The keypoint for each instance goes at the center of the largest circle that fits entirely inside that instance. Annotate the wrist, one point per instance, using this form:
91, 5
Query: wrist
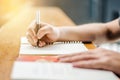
57, 32
60, 32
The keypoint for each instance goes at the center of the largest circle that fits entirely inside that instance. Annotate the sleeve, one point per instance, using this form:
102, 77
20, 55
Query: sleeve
119, 19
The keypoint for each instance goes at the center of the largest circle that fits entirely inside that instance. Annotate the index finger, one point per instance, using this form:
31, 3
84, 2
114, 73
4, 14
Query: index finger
74, 54
32, 27
91, 64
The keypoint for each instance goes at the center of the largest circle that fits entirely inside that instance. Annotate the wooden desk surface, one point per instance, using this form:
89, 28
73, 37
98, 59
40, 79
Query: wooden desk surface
11, 32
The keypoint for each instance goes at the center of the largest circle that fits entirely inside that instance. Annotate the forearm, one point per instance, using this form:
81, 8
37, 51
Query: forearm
96, 32
87, 32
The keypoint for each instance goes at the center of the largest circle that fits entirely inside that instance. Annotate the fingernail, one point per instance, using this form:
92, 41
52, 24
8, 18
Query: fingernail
39, 37
40, 44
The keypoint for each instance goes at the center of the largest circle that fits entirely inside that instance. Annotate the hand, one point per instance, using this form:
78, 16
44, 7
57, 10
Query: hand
46, 34
96, 59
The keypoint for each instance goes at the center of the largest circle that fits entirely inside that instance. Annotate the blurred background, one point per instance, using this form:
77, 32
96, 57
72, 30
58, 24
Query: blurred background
80, 11
84, 11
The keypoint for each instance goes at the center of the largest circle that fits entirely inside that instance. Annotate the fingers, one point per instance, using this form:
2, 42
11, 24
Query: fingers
34, 33
31, 32
41, 43
91, 64
75, 54
42, 32
86, 60
31, 40
31, 35
69, 55
32, 27
79, 57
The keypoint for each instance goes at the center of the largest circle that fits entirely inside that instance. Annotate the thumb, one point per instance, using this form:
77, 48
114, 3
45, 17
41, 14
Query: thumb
42, 32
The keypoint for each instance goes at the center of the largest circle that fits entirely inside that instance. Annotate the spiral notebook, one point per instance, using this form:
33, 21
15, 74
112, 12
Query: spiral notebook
52, 49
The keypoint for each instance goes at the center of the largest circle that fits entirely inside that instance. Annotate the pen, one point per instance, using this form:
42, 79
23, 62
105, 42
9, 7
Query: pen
37, 23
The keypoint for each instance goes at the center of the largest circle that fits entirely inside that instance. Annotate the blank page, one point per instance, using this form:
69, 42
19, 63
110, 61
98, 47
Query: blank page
52, 49
57, 71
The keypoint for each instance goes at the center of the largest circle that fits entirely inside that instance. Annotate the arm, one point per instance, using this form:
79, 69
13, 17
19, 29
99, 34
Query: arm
96, 32
95, 59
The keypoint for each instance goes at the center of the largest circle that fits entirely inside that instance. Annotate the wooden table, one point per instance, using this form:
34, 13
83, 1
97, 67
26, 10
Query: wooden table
11, 32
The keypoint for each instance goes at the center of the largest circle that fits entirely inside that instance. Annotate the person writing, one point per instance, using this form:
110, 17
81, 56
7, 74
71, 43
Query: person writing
98, 58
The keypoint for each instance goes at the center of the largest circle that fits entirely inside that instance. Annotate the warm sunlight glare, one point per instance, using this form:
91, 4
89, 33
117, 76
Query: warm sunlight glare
9, 8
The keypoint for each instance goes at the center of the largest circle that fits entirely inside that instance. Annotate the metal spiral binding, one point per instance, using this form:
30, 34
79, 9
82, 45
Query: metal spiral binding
64, 42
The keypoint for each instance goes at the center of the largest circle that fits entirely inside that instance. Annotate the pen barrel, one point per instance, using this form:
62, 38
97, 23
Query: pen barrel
37, 28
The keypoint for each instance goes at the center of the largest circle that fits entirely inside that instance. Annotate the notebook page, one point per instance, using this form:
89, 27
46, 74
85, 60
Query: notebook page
57, 71
56, 48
